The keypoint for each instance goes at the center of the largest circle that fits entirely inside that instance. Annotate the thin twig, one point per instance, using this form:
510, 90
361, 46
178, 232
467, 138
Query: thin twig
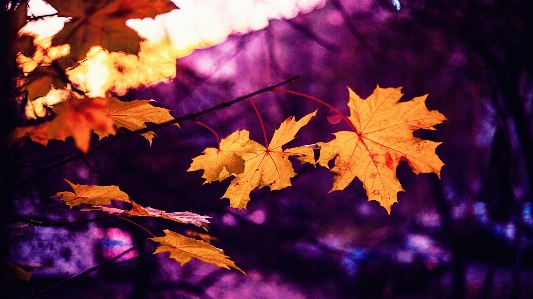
305, 30
344, 118
137, 224
33, 18
64, 223
92, 167
338, 5
83, 273
78, 155
132, 259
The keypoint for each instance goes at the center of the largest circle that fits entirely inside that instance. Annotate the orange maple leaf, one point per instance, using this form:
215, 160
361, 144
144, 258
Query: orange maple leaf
382, 136
103, 23
133, 116
268, 166
183, 249
77, 118
41, 80
13, 41
92, 195
219, 163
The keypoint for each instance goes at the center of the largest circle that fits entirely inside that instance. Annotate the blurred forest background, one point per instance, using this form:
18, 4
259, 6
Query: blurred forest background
468, 235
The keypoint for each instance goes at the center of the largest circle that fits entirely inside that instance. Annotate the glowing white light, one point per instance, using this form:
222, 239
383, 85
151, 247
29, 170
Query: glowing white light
396, 4
202, 23
197, 24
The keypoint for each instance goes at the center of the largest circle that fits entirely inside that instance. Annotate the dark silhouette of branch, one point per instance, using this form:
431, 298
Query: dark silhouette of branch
305, 30
92, 167
338, 5
81, 274
138, 225
33, 18
132, 259
45, 223
145, 130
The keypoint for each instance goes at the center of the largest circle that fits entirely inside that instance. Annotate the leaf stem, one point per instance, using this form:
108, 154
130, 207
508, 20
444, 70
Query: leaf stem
137, 224
260, 121
210, 129
344, 118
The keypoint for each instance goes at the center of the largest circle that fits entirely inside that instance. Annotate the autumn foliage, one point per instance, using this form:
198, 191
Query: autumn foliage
66, 99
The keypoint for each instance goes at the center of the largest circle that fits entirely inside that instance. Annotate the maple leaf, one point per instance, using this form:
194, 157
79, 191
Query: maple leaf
16, 43
138, 210
133, 116
204, 237
219, 163
268, 166
181, 217
183, 249
383, 137
103, 23
41, 80
77, 117
92, 195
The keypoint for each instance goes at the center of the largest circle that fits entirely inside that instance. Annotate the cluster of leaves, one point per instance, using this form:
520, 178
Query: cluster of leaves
181, 248
380, 136
52, 68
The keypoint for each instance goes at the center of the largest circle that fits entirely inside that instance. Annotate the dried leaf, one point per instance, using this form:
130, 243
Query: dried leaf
138, 210
183, 249
181, 217
384, 137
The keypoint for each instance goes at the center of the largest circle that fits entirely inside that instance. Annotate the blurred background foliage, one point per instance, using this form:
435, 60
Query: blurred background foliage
468, 235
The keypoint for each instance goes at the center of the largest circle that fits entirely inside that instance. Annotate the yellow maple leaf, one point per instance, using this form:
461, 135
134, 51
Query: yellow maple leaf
92, 195
103, 23
183, 249
219, 163
133, 116
268, 166
77, 118
383, 137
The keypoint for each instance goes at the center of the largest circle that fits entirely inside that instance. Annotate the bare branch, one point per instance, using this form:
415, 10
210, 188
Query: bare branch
81, 274
44, 223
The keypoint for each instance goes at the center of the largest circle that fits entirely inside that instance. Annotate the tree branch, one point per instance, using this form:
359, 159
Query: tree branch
83, 273
191, 116
65, 223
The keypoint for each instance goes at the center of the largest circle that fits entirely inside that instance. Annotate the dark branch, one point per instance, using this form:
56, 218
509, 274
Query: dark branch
33, 18
145, 130
305, 30
44, 223
81, 274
